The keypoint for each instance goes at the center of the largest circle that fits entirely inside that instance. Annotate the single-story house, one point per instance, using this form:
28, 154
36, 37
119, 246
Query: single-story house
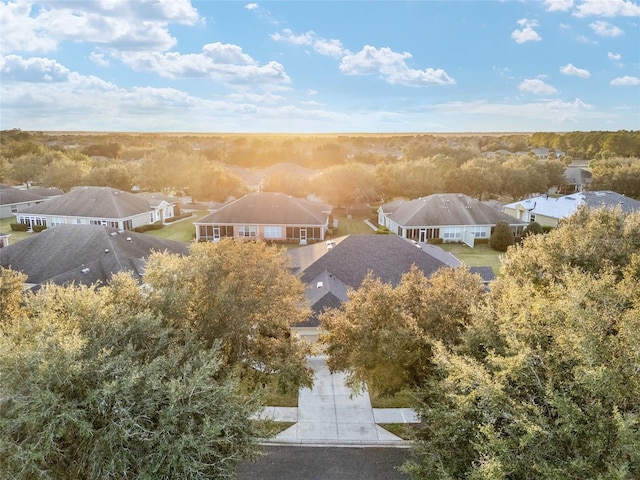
329, 269
12, 199
452, 217
267, 216
164, 206
83, 254
91, 206
548, 211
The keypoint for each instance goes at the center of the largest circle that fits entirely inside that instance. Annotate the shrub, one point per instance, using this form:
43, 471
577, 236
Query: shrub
39, 228
146, 228
19, 227
383, 230
175, 218
501, 238
534, 228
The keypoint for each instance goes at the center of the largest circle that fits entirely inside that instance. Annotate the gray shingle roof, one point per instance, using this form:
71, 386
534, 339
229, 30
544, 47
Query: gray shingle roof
444, 209
388, 257
96, 202
268, 208
609, 199
58, 255
324, 292
11, 195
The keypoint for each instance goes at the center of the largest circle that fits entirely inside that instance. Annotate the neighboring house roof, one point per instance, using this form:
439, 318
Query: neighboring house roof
156, 198
83, 254
268, 208
388, 257
96, 202
444, 209
11, 195
563, 207
577, 175
46, 191
329, 272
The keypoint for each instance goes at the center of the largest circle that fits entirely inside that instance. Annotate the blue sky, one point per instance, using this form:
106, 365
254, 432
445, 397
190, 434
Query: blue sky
315, 67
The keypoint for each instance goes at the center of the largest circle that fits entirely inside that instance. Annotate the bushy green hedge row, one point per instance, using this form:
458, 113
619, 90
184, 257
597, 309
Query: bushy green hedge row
39, 228
19, 227
146, 228
178, 217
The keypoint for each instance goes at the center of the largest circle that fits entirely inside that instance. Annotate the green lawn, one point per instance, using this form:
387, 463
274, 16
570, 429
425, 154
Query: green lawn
5, 227
480, 256
181, 231
351, 225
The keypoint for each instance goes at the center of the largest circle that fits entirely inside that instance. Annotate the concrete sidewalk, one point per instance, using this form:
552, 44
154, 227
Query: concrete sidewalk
330, 414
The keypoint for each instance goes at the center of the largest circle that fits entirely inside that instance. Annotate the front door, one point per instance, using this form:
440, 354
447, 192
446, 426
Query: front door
303, 236
423, 235
216, 234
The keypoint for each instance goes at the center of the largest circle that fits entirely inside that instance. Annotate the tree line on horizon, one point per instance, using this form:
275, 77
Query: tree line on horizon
352, 169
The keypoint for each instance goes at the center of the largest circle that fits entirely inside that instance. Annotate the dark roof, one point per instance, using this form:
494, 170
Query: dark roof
388, 257
609, 199
444, 209
11, 195
59, 254
46, 191
324, 292
268, 208
96, 202
156, 198
577, 175
486, 273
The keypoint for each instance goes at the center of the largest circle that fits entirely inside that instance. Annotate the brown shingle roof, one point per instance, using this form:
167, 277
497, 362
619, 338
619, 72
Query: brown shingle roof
268, 208
96, 202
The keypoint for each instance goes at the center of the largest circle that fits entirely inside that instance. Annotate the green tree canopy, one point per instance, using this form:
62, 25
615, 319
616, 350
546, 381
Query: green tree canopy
544, 384
93, 386
242, 296
383, 336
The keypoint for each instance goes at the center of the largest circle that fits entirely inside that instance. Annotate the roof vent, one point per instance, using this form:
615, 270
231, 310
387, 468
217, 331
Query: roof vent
319, 285
113, 234
106, 250
120, 231
128, 239
85, 270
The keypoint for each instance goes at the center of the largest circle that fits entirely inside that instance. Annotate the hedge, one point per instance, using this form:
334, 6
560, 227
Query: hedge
39, 228
19, 227
146, 228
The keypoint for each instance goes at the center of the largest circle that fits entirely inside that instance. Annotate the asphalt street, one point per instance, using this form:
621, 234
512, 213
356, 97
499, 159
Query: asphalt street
325, 463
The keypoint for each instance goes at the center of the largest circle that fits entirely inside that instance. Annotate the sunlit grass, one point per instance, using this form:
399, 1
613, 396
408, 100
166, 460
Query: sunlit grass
353, 225
5, 227
181, 231
480, 256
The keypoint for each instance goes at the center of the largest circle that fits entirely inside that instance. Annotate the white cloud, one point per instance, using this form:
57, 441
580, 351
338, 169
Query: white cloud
607, 8
614, 56
119, 23
527, 34
330, 48
32, 70
251, 6
312, 92
558, 5
605, 29
392, 67
536, 86
98, 59
569, 69
626, 81
225, 63
552, 111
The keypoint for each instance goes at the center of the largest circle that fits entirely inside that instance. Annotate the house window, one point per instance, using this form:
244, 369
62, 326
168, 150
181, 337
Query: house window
14, 208
127, 225
247, 231
57, 221
272, 232
532, 217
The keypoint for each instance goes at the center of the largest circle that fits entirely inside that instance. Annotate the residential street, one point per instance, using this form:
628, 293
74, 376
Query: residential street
325, 463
